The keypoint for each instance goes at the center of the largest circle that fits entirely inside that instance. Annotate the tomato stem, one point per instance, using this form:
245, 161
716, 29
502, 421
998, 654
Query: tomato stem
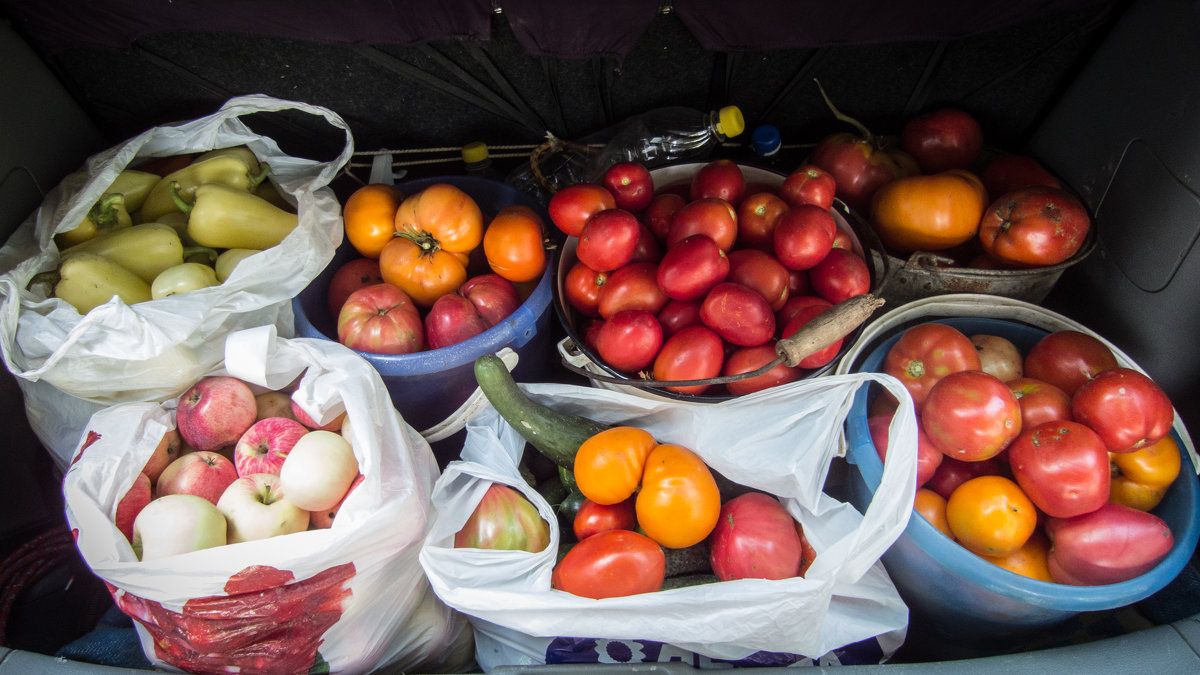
862, 129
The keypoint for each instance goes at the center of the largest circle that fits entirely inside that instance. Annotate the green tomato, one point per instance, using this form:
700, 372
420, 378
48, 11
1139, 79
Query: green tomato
182, 278
504, 520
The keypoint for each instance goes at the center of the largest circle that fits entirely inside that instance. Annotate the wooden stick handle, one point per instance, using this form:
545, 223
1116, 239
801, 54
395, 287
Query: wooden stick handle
825, 328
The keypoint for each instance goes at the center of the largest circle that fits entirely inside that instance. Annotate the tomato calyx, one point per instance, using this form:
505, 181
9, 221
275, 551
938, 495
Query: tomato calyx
424, 240
915, 369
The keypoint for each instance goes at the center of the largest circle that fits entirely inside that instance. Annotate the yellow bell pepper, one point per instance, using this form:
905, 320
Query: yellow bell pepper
146, 249
88, 280
229, 259
182, 278
226, 217
1140, 478
239, 151
230, 170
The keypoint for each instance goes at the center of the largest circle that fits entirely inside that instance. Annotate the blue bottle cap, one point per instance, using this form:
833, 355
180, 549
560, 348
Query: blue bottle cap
765, 140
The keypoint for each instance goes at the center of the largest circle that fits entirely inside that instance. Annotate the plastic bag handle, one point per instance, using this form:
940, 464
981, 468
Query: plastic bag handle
476, 401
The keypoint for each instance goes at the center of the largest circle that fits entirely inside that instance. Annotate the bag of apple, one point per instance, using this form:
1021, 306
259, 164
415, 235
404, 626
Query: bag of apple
120, 287
536, 600
269, 520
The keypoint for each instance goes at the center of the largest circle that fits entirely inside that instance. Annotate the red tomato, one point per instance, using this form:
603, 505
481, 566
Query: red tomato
999, 356
691, 267
1067, 359
798, 283
722, 179
970, 415
926, 353
661, 211
757, 216
1112, 544
1012, 172
800, 317
504, 520
929, 458
629, 340
951, 473
1040, 401
809, 184
611, 564
841, 275
608, 240
350, 277
630, 184
381, 319
709, 216
1062, 466
1126, 408
694, 353
581, 287
794, 305
749, 359
943, 139
762, 272
571, 206
738, 314
860, 167
593, 518
755, 538
677, 315
803, 237
648, 247
1034, 226
633, 286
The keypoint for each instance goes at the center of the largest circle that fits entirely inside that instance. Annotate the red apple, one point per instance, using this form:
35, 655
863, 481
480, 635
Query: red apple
318, 471
256, 507
324, 518
351, 276
273, 404
202, 473
130, 505
215, 412
381, 319
494, 297
451, 320
167, 450
265, 444
307, 420
177, 524
943, 139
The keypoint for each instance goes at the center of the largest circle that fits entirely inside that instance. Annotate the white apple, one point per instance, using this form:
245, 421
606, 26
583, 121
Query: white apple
307, 420
131, 504
202, 473
318, 470
324, 518
215, 412
177, 524
265, 444
273, 404
256, 508
167, 450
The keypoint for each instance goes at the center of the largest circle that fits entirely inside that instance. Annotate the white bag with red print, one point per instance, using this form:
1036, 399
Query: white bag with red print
350, 598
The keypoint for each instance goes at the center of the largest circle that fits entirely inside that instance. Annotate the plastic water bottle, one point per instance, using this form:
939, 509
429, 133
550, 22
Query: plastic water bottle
766, 150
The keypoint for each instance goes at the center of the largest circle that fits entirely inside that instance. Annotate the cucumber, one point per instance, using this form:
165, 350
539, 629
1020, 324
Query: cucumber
555, 434
685, 580
690, 560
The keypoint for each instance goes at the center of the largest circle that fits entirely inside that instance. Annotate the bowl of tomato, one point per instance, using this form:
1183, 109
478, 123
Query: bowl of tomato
939, 563
700, 310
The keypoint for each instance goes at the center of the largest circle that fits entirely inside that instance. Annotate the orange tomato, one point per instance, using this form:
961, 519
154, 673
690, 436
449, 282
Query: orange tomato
929, 212
609, 465
421, 269
370, 217
444, 213
1140, 478
990, 515
513, 244
932, 507
679, 502
1029, 560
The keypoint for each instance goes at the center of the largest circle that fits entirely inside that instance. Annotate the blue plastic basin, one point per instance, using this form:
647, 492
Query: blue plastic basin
961, 594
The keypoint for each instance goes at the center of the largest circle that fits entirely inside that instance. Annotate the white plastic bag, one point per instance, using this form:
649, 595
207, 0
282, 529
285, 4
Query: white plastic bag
352, 596
780, 441
70, 366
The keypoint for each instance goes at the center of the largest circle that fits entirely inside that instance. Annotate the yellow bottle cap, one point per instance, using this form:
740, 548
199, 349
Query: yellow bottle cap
731, 123
474, 152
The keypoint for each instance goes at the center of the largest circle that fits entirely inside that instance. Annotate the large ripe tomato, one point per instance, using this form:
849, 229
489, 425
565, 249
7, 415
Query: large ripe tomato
381, 319
504, 520
582, 287
1012, 172
794, 305
1112, 544
929, 458
757, 216
943, 139
513, 244
694, 353
351, 276
929, 213
970, 415
990, 515
860, 166
571, 206
629, 340
593, 518
803, 236
1067, 359
611, 564
932, 507
1031, 560
999, 356
1127, 408
709, 216
1062, 466
677, 315
926, 353
738, 314
1140, 479
720, 178
809, 184
1034, 226
609, 465
633, 286
840, 275
761, 271
661, 211
692, 267
755, 538
631, 185
608, 240
679, 502
370, 217
422, 269
749, 359
443, 213
800, 318
1040, 401
951, 473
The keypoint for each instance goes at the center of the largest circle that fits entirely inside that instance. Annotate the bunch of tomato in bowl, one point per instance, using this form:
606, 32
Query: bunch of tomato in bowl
433, 270
1045, 459
699, 278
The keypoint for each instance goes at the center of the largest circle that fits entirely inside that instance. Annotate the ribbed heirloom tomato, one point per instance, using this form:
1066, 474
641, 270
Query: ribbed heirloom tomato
370, 217
436, 229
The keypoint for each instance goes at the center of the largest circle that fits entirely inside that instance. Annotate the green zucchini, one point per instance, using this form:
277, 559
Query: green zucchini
555, 434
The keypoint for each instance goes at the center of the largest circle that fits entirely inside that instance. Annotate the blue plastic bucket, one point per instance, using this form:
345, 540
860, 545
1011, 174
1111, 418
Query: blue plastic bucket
959, 593
428, 387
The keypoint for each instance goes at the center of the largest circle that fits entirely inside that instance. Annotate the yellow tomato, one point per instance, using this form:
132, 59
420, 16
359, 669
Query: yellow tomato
608, 466
1140, 478
991, 515
929, 212
932, 507
1029, 560
679, 503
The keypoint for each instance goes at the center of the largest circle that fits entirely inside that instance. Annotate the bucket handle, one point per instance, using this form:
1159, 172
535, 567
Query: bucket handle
474, 403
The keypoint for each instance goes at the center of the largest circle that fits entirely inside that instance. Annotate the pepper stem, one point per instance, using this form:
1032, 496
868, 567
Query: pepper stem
173, 189
103, 213
259, 176
51, 277
862, 129
205, 251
